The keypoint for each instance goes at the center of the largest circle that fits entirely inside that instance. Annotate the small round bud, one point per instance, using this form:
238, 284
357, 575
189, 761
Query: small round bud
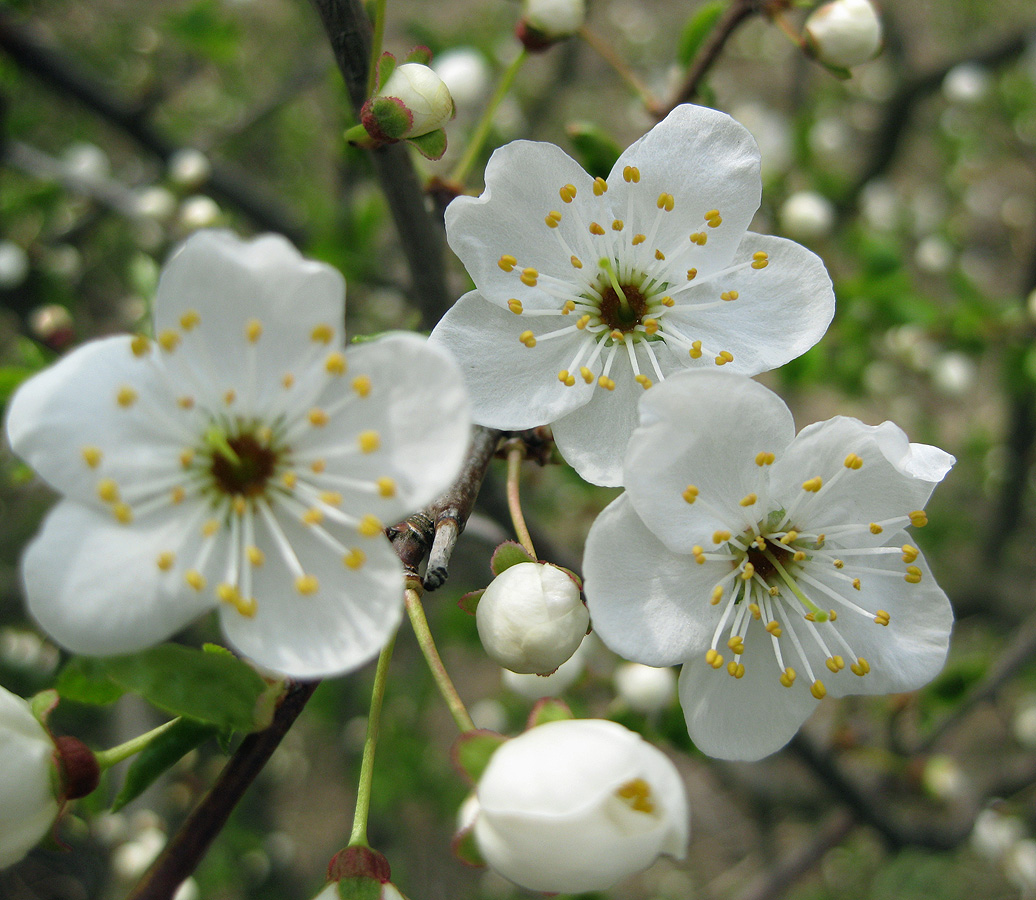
807, 215
531, 618
14, 265
423, 97
189, 168
844, 33
466, 73
645, 689
545, 22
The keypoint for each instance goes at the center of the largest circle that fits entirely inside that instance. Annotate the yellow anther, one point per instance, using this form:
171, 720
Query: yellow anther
210, 527
386, 486
735, 669
668, 302
699, 238
913, 575
617, 336
190, 320
650, 326
577, 263
229, 397
763, 458
140, 345
618, 225
699, 554
643, 381
330, 498
362, 385
881, 617
717, 594
919, 518
774, 628
820, 541
600, 186
369, 441
586, 374
725, 356
760, 542
861, 667
567, 307
875, 528
790, 537
322, 333
631, 174
748, 572
813, 485
168, 340
607, 383
809, 617
289, 479
91, 456
507, 262
232, 596
108, 490
690, 493
312, 516
165, 560
692, 274
721, 535
756, 612
335, 364
370, 526
787, 677
596, 229
253, 330
228, 593
568, 193
659, 255
713, 219
729, 295
832, 615
529, 277
318, 466
186, 458
638, 239
307, 584
126, 397
799, 555
818, 690
666, 201
185, 402
317, 417
194, 579
255, 556
637, 794
835, 663
553, 219
856, 583
515, 305
852, 461
737, 644
584, 320
760, 260
749, 499
177, 495
713, 658
566, 378
355, 558
527, 338
288, 380
695, 351
909, 553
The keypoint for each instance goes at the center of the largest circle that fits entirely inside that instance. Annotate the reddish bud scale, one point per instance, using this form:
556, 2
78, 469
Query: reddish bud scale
80, 774
359, 862
533, 40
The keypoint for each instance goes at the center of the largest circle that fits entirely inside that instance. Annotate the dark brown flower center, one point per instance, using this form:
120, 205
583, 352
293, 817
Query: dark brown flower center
619, 316
247, 475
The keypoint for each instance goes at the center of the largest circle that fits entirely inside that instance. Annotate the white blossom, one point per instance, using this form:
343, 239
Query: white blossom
845, 33
775, 567
531, 618
591, 290
577, 805
554, 19
241, 459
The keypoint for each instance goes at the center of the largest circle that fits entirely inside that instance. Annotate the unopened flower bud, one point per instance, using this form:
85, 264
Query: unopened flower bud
531, 618
545, 22
359, 873
577, 805
807, 215
645, 689
418, 102
844, 33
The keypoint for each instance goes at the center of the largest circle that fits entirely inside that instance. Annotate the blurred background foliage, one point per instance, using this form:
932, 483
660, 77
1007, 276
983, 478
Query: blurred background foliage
125, 126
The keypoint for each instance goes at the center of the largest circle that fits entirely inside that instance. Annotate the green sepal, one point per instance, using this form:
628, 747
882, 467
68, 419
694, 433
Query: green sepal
359, 888
393, 119
41, 705
357, 135
697, 29
164, 751
472, 751
507, 554
386, 66
465, 849
469, 602
420, 54
548, 709
431, 145
595, 149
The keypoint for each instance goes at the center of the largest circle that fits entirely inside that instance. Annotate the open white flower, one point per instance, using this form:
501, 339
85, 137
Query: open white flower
775, 567
591, 290
240, 460
28, 779
578, 804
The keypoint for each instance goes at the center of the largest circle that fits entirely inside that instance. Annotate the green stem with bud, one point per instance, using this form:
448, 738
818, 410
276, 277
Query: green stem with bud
514, 503
108, 758
819, 615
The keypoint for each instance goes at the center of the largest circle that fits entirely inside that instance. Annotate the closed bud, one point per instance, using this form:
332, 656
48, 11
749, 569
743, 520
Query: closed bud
645, 689
577, 805
807, 215
359, 873
421, 99
545, 22
531, 618
844, 33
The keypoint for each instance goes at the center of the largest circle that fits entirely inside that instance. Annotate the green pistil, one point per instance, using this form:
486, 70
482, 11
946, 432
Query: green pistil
217, 440
606, 264
819, 615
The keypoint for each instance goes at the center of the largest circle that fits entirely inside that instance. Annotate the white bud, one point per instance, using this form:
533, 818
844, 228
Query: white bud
531, 619
844, 33
199, 211
554, 19
533, 687
645, 689
423, 93
1020, 866
806, 215
577, 805
86, 162
28, 806
14, 265
189, 168
466, 73
994, 833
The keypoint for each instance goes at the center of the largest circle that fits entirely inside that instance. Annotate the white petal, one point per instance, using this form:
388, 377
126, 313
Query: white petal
646, 603
511, 386
702, 429
72, 405
231, 283
337, 629
742, 718
707, 161
781, 310
94, 585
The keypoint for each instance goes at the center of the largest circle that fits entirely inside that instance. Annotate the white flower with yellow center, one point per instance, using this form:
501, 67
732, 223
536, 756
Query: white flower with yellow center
591, 290
775, 567
241, 459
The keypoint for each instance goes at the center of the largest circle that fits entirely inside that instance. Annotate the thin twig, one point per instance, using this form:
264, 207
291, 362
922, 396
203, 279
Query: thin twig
515, 455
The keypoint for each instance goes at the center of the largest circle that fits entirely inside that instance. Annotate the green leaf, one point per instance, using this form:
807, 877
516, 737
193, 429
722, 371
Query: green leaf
509, 553
595, 149
206, 28
85, 679
10, 378
548, 709
431, 145
697, 29
473, 750
164, 751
